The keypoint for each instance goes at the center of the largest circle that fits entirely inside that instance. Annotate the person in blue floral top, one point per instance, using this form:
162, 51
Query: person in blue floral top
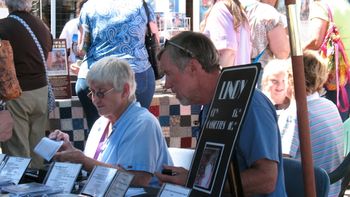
116, 28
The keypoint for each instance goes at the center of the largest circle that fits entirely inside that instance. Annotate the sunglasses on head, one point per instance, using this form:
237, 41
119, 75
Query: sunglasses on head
187, 51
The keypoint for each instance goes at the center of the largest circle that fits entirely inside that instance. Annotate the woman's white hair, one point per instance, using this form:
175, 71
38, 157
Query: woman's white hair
19, 5
111, 70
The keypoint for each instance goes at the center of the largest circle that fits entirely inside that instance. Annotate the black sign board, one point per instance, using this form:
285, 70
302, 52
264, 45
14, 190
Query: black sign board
212, 158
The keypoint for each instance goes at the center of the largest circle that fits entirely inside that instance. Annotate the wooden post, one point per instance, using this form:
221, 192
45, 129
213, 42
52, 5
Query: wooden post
300, 97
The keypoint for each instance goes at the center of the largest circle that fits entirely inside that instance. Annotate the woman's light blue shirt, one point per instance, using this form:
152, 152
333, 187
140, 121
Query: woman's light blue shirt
137, 142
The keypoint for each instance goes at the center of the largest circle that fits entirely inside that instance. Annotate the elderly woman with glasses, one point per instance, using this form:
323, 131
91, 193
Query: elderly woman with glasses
126, 136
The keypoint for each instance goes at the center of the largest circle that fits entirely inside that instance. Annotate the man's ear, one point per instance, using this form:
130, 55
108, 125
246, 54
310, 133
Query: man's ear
194, 65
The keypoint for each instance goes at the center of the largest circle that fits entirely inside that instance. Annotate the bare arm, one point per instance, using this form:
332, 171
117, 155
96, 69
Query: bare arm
81, 40
142, 178
227, 57
261, 178
319, 30
279, 42
6, 125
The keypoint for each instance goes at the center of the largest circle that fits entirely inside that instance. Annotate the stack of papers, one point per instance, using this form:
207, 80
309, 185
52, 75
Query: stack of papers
30, 189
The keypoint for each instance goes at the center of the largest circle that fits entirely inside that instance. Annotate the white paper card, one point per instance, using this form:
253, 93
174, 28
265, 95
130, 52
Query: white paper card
14, 168
171, 190
120, 184
47, 148
63, 175
99, 181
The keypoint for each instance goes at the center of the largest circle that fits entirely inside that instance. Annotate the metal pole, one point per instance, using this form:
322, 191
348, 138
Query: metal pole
53, 18
41, 9
300, 97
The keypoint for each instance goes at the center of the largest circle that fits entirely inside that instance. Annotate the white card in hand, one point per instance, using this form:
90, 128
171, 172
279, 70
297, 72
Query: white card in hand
47, 148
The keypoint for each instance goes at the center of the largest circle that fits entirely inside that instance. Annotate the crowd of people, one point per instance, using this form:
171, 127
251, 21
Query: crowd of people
116, 85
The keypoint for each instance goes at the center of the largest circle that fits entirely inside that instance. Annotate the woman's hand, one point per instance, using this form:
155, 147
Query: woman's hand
75, 67
61, 136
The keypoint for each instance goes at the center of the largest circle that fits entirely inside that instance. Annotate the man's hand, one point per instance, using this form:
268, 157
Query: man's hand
179, 177
6, 125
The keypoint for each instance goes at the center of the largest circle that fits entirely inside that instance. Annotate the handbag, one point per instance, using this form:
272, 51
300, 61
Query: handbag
51, 97
333, 50
9, 85
152, 47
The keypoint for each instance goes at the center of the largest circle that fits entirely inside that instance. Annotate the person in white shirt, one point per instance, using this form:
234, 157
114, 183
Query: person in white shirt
69, 31
4, 12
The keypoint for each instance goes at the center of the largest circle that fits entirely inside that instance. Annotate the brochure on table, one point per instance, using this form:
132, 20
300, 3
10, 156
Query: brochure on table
59, 179
62, 175
30, 189
14, 168
212, 158
47, 148
120, 184
104, 181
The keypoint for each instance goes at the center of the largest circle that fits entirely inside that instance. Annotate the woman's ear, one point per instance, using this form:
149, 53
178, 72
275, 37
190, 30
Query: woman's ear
126, 91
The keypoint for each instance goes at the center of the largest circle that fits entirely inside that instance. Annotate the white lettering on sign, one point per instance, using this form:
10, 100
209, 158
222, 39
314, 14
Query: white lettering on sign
216, 124
232, 89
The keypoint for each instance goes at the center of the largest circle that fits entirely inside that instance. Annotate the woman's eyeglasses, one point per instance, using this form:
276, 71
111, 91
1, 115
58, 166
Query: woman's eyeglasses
187, 51
99, 94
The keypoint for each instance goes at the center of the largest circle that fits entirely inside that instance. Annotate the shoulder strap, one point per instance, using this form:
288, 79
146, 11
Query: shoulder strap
257, 58
147, 13
33, 36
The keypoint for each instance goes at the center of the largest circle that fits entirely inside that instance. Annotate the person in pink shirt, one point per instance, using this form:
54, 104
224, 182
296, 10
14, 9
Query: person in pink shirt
227, 26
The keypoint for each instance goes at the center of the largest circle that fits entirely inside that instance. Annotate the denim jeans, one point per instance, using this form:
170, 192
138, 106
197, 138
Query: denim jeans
145, 87
82, 89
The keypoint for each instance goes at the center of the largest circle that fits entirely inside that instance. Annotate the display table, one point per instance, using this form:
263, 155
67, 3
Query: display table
179, 123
